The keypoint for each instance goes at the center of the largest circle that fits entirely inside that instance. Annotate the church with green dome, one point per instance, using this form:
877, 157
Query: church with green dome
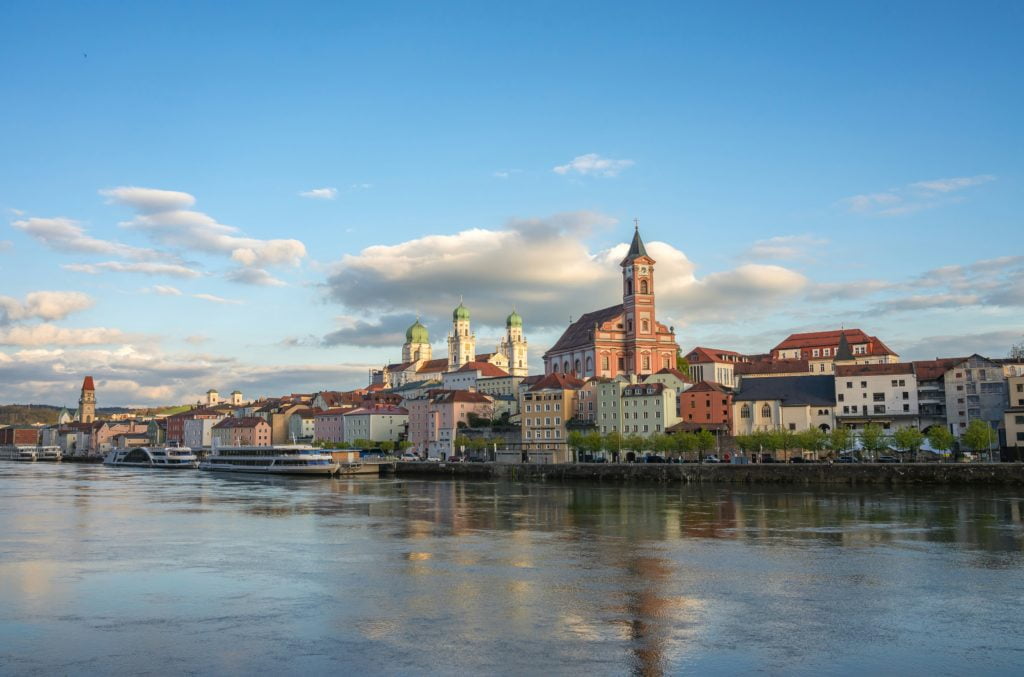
418, 364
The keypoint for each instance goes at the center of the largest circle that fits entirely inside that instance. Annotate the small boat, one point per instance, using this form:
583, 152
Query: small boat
293, 459
165, 458
18, 453
49, 453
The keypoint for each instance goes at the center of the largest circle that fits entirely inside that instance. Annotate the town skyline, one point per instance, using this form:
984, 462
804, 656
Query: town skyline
166, 247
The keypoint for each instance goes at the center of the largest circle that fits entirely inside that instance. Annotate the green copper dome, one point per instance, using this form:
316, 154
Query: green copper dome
417, 333
461, 313
514, 320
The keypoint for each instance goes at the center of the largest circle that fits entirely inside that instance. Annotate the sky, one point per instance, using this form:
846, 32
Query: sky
263, 196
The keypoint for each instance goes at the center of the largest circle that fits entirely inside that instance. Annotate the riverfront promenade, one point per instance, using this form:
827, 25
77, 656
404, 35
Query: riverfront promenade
957, 474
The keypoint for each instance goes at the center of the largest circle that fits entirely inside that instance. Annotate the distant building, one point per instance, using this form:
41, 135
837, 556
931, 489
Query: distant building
822, 349
622, 339
884, 394
931, 390
435, 419
249, 432
87, 402
647, 409
378, 424
544, 411
706, 404
792, 403
19, 436
714, 365
329, 425
976, 388
212, 398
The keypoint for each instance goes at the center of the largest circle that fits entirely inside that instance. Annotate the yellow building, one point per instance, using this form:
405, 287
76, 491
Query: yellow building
544, 411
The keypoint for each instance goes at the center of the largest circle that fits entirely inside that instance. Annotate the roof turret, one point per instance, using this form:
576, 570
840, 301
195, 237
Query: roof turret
514, 320
461, 312
417, 333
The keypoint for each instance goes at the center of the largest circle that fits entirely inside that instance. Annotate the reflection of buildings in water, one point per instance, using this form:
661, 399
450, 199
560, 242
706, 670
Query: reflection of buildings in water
30, 587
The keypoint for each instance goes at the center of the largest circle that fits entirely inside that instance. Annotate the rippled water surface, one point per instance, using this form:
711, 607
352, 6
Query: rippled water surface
122, 571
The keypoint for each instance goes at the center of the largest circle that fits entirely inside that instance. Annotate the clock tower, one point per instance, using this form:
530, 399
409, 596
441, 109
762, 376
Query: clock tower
638, 307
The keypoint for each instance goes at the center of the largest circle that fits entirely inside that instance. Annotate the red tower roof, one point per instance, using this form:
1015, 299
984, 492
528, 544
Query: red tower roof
87, 384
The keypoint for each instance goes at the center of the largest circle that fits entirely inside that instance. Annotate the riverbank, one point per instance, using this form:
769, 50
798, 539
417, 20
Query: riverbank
954, 474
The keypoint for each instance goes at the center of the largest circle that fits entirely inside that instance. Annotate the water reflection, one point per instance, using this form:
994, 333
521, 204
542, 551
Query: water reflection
401, 576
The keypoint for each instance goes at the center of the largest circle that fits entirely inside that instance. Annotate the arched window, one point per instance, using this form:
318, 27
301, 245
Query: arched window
646, 326
604, 362
745, 411
766, 411
647, 362
643, 286
554, 368
590, 364
629, 287
565, 367
577, 364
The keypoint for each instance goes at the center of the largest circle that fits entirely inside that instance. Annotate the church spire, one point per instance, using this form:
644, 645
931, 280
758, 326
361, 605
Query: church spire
636, 247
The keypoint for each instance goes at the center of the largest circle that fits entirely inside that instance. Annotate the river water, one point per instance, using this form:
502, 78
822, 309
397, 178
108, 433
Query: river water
113, 571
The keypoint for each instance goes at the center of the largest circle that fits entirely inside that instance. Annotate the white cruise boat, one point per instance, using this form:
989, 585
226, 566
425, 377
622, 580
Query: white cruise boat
280, 460
165, 458
18, 453
49, 453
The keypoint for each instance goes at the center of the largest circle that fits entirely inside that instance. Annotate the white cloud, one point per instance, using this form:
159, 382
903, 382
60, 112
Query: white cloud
913, 197
49, 334
256, 276
65, 235
949, 185
216, 299
320, 193
164, 290
161, 217
546, 271
785, 247
593, 164
43, 305
144, 268
506, 173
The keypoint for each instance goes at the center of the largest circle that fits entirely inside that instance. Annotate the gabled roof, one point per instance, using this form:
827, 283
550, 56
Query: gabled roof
483, 357
673, 372
433, 366
930, 370
702, 355
378, 411
334, 411
557, 381
531, 380
640, 389
247, 422
828, 339
707, 387
485, 369
782, 366
874, 369
790, 390
463, 396
578, 333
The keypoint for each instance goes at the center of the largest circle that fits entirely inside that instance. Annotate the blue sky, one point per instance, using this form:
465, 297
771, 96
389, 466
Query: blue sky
802, 165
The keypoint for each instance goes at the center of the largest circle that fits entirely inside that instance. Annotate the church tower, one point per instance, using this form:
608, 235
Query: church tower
87, 401
513, 345
638, 307
461, 342
417, 343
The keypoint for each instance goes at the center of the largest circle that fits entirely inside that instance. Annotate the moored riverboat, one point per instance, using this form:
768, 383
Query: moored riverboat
18, 453
276, 460
51, 454
165, 458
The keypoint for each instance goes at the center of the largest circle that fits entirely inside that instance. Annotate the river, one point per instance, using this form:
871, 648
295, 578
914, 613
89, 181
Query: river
115, 571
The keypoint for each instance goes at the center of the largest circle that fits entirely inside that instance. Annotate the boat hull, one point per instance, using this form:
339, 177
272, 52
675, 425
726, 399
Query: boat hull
311, 471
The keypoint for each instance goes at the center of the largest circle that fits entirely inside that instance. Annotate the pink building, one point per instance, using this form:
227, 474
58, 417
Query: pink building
242, 432
434, 420
329, 426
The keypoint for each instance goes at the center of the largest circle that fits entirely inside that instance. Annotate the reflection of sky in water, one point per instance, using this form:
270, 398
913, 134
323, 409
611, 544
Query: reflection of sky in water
106, 570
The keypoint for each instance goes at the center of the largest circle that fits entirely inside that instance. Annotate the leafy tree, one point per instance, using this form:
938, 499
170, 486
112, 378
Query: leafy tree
940, 438
682, 364
979, 436
682, 443
908, 440
612, 442
461, 443
593, 442
404, 444
812, 439
872, 437
662, 444
387, 446
839, 439
704, 441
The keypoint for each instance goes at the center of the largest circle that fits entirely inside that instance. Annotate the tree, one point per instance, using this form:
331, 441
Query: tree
1017, 351
908, 440
682, 364
613, 443
461, 444
576, 443
872, 437
812, 439
404, 444
839, 440
940, 438
662, 444
682, 443
704, 441
979, 436
387, 446
593, 442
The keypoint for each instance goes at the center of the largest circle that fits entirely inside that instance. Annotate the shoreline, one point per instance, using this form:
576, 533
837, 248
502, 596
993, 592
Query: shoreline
904, 474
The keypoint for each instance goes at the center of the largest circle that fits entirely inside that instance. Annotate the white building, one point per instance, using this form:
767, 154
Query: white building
885, 394
378, 424
198, 432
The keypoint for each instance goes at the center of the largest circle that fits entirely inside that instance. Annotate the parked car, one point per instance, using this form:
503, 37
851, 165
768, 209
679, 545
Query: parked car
456, 459
767, 458
711, 459
476, 459
799, 459
847, 459
887, 459
654, 458
409, 456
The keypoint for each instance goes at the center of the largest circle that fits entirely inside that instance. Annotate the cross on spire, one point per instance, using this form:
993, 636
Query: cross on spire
636, 224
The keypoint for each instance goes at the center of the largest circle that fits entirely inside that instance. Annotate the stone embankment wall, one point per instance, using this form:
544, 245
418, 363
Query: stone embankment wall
981, 474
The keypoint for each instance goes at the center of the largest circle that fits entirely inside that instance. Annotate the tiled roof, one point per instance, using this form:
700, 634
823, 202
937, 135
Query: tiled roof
783, 366
706, 387
578, 333
828, 339
466, 396
334, 411
929, 370
530, 380
557, 381
87, 384
674, 372
640, 389
483, 357
247, 422
791, 390
874, 369
485, 369
378, 411
433, 366
701, 355
636, 248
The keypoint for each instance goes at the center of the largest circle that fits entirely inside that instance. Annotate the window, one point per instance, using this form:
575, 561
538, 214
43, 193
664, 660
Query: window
643, 290
826, 352
894, 382
766, 411
647, 361
906, 407
815, 353
792, 426
604, 362
645, 325
745, 411
863, 384
878, 397
903, 382
906, 395
821, 367
879, 409
590, 364
849, 384
840, 397
1019, 419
